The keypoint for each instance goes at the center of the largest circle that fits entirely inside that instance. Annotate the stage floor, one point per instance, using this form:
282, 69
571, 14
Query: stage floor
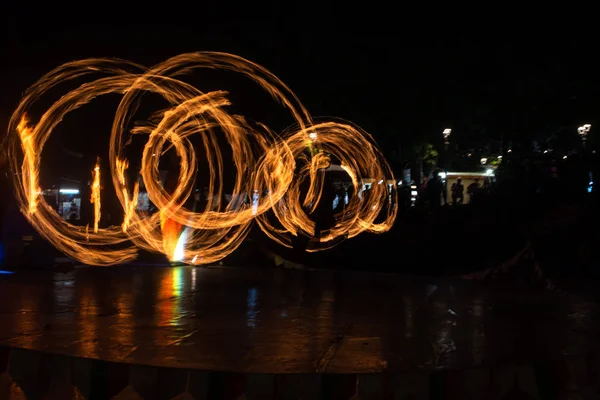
288, 321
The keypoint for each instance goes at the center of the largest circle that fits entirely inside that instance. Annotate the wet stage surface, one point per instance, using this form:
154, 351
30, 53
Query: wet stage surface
288, 321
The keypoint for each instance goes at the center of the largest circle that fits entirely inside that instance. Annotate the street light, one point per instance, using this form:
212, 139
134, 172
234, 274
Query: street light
446, 133
583, 132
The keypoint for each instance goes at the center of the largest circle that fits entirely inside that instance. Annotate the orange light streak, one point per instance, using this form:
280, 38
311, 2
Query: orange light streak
95, 196
29, 171
273, 165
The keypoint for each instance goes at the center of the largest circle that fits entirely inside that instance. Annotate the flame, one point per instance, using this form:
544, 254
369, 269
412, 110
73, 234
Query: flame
29, 170
95, 197
275, 165
129, 203
171, 232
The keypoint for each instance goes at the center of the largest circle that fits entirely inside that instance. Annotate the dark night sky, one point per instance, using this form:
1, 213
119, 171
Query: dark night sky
397, 77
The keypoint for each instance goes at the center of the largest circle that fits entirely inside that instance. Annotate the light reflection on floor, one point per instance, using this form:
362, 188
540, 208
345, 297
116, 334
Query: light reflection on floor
252, 308
286, 321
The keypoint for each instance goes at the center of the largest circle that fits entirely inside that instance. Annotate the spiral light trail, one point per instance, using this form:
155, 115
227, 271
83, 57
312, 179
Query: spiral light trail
284, 172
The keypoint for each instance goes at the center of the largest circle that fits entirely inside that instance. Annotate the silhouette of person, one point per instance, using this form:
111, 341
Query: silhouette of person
472, 190
323, 213
434, 190
458, 192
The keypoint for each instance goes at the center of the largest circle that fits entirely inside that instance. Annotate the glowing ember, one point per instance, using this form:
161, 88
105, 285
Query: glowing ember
270, 168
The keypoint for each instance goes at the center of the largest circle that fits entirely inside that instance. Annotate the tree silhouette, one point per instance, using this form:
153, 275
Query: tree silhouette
427, 157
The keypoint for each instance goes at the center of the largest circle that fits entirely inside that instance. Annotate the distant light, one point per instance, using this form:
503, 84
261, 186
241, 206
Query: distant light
69, 191
313, 136
380, 182
483, 160
413, 193
469, 155
3, 272
499, 157
583, 130
509, 151
545, 151
442, 175
564, 157
446, 134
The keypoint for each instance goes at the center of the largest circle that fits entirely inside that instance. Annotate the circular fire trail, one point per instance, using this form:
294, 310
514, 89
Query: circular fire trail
282, 175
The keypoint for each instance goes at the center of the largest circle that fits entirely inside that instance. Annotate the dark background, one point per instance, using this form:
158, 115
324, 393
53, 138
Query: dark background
401, 74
